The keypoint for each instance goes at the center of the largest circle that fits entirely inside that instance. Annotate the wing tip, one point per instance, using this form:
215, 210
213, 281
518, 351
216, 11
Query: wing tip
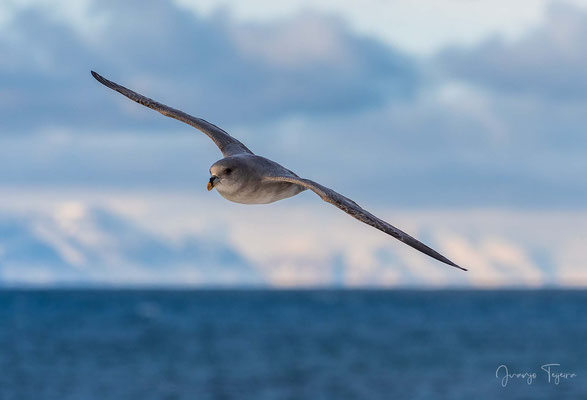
96, 75
445, 260
101, 79
456, 266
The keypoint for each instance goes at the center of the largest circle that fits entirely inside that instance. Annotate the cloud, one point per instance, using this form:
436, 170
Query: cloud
496, 124
399, 131
226, 71
550, 61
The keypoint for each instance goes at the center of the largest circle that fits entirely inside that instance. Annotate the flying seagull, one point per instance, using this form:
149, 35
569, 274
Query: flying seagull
243, 177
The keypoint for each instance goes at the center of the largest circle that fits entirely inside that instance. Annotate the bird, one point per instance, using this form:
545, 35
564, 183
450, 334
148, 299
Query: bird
244, 177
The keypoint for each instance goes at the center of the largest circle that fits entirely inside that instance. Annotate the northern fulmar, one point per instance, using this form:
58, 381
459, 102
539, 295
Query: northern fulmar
244, 177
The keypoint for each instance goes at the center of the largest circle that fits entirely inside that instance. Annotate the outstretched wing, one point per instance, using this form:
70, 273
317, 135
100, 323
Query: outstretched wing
353, 209
227, 144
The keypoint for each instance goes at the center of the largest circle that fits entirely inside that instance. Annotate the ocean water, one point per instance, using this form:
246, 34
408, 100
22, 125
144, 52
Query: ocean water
224, 344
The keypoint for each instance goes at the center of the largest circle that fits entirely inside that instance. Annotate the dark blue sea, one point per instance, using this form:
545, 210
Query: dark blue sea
323, 344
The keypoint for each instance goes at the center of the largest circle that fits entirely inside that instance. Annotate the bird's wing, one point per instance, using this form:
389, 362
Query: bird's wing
227, 144
356, 211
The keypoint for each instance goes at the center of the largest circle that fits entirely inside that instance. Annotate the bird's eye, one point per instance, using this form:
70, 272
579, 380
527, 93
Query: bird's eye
227, 171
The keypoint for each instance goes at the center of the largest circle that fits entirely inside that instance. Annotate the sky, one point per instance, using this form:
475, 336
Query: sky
460, 122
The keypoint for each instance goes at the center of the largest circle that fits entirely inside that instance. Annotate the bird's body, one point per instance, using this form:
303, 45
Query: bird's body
246, 184
246, 178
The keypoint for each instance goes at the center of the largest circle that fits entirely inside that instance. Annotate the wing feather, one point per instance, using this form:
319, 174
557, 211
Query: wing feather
356, 211
227, 144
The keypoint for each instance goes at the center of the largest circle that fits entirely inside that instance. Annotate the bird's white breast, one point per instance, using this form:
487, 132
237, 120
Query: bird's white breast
267, 192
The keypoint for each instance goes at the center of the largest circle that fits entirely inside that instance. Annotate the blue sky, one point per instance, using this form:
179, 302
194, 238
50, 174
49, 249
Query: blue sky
471, 114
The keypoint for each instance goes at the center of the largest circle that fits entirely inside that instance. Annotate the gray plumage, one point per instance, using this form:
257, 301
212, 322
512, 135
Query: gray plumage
246, 178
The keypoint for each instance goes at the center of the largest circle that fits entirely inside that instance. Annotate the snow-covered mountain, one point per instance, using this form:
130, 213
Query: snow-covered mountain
145, 239
96, 246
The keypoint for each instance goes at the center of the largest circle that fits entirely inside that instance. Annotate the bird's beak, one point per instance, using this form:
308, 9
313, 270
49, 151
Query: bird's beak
213, 180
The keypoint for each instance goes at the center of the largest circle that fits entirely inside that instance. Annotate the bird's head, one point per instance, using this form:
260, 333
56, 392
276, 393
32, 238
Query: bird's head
224, 175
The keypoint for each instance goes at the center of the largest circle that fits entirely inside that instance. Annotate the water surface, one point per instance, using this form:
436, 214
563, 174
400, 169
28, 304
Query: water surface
256, 344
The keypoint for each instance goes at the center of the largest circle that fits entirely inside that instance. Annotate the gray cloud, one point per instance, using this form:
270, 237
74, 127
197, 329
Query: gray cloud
550, 61
290, 90
227, 72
